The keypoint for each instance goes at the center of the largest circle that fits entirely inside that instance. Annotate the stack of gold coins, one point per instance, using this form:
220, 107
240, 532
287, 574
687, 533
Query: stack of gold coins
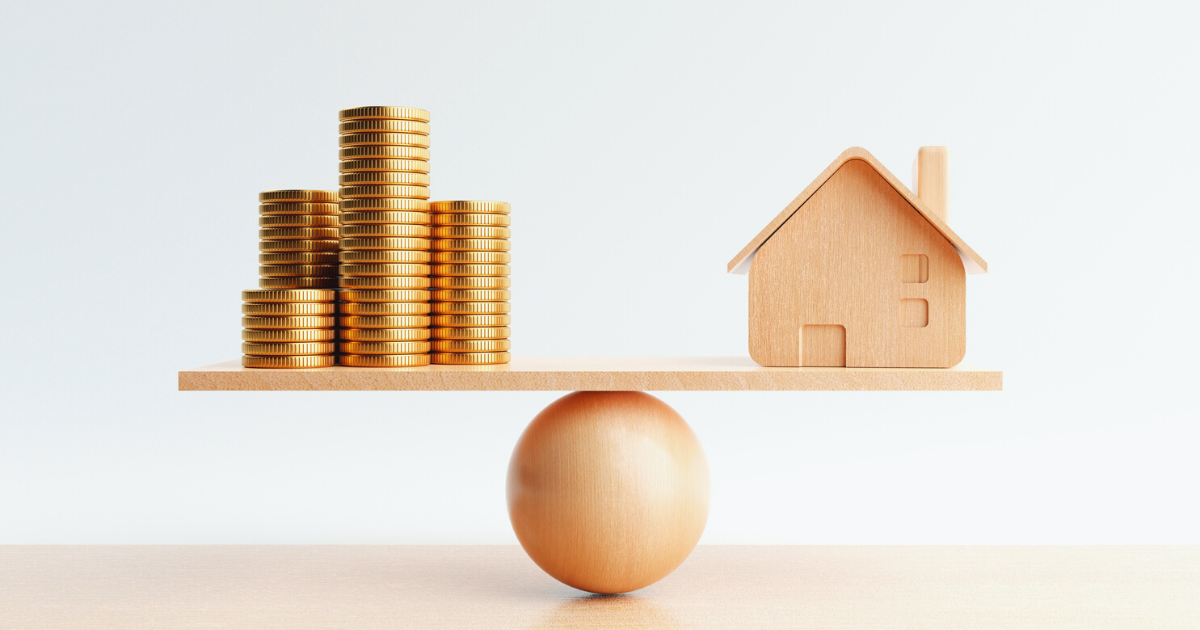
385, 237
288, 328
299, 232
471, 284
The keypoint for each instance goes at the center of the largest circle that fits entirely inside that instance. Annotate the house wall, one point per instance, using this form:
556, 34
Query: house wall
842, 259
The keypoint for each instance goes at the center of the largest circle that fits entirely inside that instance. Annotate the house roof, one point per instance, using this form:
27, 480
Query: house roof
972, 261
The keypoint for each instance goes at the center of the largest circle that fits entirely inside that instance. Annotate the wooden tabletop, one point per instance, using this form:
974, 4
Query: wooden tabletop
366, 588
591, 374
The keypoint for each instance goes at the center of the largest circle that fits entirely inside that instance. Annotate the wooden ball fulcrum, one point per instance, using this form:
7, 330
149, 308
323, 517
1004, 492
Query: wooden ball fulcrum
608, 491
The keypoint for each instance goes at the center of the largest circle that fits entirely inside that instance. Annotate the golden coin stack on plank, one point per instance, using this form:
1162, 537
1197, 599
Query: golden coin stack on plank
385, 237
288, 328
471, 284
289, 321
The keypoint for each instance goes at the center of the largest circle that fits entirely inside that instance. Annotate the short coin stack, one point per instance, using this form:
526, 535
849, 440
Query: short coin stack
287, 328
385, 237
299, 232
471, 284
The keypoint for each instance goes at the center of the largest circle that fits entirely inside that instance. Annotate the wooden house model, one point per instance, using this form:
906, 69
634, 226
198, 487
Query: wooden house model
858, 271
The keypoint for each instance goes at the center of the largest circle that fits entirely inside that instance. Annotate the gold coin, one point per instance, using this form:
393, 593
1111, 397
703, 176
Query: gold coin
471, 231
384, 256
392, 321
495, 332
384, 334
471, 358
383, 360
471, 245
383, 152
285, 271
298, 221
315, 361
368, 192
286, 349
475, 295
385, 205
299, 282
381, 218
298, 258
384, 126
487, 207
288, 295
473, 258
385, 270
472, 321
385, 230
372, 166
384, 282
471, 219
385, 243
472, 345
386, 295
471, 308
287, 323
276, 309
383, 179
306, 196
375, 112
291, 336
297, 233
384, 347
472, 282
329, 245
281, 296
387, 139
275, 209
384, 308
471, 270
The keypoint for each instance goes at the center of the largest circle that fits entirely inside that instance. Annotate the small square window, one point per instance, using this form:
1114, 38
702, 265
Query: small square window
914, 268
914, 313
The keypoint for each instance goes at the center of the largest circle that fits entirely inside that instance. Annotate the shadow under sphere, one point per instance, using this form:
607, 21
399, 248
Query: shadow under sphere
608, 491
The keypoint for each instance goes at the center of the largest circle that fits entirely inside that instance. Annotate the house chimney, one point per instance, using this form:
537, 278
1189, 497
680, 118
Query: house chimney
931, 179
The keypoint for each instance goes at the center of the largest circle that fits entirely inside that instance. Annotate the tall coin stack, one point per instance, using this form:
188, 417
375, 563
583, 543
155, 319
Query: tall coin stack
299, 232
471, 284
287, 328
385, 237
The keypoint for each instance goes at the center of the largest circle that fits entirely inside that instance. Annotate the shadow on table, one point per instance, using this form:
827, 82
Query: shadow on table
609, 611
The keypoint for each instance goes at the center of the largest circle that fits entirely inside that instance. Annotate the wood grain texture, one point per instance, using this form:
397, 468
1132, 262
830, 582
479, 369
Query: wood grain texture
467, 588
823, 345
608, 491
564, 374
971, 260
933, 180
847, 259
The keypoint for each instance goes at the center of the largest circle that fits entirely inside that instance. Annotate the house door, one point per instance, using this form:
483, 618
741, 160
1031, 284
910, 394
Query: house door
823, 345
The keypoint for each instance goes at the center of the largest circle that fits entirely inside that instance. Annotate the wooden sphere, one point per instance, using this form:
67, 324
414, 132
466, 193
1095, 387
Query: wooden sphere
608, 491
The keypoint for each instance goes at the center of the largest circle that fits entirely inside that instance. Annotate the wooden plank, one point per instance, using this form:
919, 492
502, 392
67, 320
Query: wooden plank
592, 374
441, 587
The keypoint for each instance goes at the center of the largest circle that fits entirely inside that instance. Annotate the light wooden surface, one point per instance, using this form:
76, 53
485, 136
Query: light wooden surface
932, 180
608, 491
591, 374
972, 261
898, 301
465, 588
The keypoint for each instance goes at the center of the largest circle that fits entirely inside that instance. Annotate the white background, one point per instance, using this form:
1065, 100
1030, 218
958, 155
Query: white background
641, 144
